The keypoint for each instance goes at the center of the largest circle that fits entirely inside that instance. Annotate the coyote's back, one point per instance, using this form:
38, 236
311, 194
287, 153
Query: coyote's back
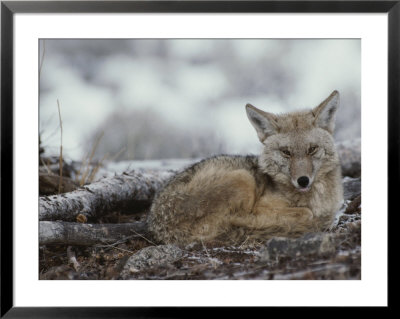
292, 188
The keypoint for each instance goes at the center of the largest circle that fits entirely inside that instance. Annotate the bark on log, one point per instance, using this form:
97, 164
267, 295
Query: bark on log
96, 199
88, 234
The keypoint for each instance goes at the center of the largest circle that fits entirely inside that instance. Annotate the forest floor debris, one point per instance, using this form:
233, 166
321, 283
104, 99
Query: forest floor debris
332, 255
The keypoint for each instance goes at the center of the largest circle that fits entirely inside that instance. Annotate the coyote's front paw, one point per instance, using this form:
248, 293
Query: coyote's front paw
303, 213
307, 213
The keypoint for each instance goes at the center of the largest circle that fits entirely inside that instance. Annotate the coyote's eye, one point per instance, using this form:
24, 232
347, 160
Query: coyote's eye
312, 150
285, 153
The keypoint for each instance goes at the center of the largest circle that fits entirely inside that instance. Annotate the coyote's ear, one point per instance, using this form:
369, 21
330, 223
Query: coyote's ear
264, 123
325, 113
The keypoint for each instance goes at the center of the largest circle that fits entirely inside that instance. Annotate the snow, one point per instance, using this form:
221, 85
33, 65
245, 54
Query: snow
194, 86
165, 168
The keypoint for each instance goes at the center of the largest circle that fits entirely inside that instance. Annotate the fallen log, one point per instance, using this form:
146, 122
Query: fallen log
88, 234
106, 195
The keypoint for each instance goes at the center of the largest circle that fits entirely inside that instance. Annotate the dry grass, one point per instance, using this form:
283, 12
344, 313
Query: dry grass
88, 170
42, 59
46, 166
61, 148
87, 173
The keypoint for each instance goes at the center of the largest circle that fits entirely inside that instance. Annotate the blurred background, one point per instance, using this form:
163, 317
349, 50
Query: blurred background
181, 98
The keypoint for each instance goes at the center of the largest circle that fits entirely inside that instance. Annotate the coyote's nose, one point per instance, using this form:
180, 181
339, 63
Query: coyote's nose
303, 181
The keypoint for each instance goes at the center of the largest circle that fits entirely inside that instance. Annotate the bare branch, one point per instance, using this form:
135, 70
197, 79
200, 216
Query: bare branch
87, 234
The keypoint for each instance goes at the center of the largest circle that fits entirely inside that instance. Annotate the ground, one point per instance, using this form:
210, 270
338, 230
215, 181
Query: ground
335, 254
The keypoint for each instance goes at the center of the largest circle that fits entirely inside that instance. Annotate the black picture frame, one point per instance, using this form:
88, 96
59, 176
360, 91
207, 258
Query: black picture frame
9, 8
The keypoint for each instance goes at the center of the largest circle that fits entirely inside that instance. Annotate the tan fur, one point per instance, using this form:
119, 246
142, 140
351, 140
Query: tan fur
248, 198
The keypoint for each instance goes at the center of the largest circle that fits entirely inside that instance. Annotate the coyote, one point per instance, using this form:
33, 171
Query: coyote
292, 188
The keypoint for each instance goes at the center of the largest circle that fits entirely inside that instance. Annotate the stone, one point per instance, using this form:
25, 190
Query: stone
350, 157
152, 256
310, 244
351, 188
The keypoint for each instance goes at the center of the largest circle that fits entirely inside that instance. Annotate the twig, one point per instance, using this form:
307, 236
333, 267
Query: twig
204, 247
124, 240
47, 168
42, 59
86, 172
212, 260
95, 169
83, 163
72, 258
114, 157
112, 246
61, 154
242, 244
148, 240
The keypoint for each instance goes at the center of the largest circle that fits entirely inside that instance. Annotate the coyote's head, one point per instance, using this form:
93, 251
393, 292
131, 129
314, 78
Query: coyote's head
299, 146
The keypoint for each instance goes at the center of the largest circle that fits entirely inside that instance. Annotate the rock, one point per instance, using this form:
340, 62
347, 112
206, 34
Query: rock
151, 257
351, 188
350, 157
354, 206
349, 223
309, 244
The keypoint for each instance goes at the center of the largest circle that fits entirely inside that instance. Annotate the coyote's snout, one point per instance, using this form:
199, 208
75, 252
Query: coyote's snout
293, 187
